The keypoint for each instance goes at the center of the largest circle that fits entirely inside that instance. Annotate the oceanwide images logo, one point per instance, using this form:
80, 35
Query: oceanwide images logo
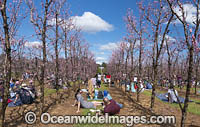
30, 117
46, 118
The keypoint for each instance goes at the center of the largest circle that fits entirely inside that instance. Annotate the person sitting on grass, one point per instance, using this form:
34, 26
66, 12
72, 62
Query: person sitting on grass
23, 94
83, 103
111, 107
172, 95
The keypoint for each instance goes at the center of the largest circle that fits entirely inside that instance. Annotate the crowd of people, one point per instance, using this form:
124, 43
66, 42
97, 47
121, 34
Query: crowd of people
176, 80
25, 93
110, 106
21, 91
135, 85
144, 84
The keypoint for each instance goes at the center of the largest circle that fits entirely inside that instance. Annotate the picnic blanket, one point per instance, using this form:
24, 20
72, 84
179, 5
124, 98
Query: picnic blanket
97, 95
163, 97
105, 94
84, 90
12, 104
148, 86
128, 87
133, 88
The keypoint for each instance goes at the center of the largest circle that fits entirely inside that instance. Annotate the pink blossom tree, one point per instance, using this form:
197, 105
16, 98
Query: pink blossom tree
39, 21
137, 29
191, 35
11, 15
156, 14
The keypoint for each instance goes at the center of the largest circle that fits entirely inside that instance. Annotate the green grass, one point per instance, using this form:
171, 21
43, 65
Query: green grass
103, 87
192, 107
148, 93
95, 100
75, 83
49, 91
86, 111
184, 88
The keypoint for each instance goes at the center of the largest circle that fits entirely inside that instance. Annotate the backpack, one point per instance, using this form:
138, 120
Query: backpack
100, 95
25, 96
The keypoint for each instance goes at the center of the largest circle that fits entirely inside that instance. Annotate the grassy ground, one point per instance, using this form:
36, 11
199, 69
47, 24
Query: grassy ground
192, 90
103, 87
48, 91
192, 108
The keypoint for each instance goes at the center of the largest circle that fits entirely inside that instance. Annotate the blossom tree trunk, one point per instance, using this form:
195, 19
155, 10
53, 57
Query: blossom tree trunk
41, 27
191, 43
11, 19
7, 62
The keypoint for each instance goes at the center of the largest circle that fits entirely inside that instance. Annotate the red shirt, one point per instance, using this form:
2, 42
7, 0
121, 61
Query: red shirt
108, 76
112, 108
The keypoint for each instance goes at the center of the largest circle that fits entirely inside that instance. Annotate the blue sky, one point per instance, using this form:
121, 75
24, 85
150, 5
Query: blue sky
102, 23
112, 12
105, 31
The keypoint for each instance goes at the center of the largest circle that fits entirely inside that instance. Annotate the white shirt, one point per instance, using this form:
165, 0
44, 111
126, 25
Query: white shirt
135, 79
172, 94
93, 81
141, 87
99, 77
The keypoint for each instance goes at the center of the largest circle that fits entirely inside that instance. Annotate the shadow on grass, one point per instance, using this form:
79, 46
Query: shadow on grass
134, 105
15, 115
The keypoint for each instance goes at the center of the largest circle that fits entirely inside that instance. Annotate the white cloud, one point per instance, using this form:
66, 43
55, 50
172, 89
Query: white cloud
137, 43
91, 23
88, 22
101, 53
34, 44
190, 13
65, 23
169, 38
52, 21
109, 46
100, 59
98, 62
